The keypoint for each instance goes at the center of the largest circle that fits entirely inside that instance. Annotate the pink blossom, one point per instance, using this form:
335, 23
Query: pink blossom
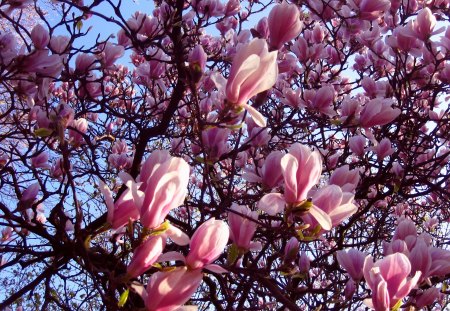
262, 28
80, 127
165, 179
84, 62
345, 178
350, 288
356, 144
291, 250
288, 29
145, 255
337, 205
30, 194
372, 9
40, 161
304, 262
232, 7
42, 63
197, 62
388, 280
59, 44
253, 71
301, 170
271, 172
384, 149
168, 290
242, 228
378, 111
207, 243
424, 24
40, 37
427, 297
110, 53
123, 210
352, 261
9, 48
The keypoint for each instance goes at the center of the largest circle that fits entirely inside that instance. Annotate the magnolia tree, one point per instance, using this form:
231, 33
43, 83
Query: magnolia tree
226, 156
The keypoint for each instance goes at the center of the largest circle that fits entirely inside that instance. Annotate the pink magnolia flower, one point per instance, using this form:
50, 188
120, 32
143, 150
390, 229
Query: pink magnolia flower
40, 161
427, 297
30, 194
378, 111
164, 184
291, 250
168, 290
388, 280
271, 172
383, 149
40, 37
301, 169
284, 24
80, 127
345, 178
424, 24
242, 229
110, 53
372, 9
123, 210
253, 71
262, 28
197, 62
207, 243
333, 202
42, 63
146, 255
352, 262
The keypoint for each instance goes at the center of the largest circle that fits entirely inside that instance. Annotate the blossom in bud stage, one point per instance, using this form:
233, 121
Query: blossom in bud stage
350, 288
30, 194
262, 28
356, 144
384, 149
164, 184
207, 243
146, 255
40, 37
378, 111
424, 24
197, 63
242, 229
40, 161
352, 261
80, 127
304, 262
167, 290
284, 24
427, 297
291, 250
388, 280
59, 44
